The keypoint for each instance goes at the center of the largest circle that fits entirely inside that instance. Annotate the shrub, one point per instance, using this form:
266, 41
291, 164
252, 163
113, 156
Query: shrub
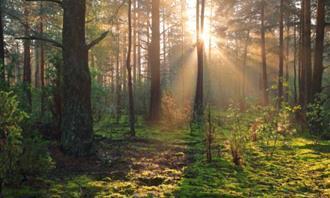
22, 154
318, 118
35, 159
237, 137
172, 114
10, 134
273, 124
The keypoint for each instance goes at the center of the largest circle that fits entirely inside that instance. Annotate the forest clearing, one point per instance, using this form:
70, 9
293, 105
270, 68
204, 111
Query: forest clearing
164, 98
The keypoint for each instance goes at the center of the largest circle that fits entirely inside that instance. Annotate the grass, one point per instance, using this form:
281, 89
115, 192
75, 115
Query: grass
170, 163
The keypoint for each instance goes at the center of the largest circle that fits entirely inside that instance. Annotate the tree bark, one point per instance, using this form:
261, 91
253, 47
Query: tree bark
129, 72
76, 126
264, 84
2, 46
27, 63
319, 49
307, 50
281, 58
198, 105
155, 99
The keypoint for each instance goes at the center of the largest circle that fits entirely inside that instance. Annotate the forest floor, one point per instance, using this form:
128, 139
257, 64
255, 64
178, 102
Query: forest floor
162, 162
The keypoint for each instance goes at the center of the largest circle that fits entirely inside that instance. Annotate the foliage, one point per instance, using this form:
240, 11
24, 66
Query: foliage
98, 98
22, 153
238, 136
172, 114
36, 159
273, 124
318, 117
10, 134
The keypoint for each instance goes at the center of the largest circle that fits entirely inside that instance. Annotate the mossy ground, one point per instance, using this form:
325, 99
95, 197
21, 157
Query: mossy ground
171, 163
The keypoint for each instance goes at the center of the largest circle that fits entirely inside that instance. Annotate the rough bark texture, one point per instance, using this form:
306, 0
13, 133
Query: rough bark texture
264, 84
302, 68
129, 73
154, 114
319, 48
281, 58
76, 126
198, 105
27, 64
2, 46
307, 50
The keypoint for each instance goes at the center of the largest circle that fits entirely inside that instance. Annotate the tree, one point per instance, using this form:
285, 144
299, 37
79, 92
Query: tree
281, 58
129, 72
319, 48
2, 46
154, 114
27, 62
198, 105
76, 126
264, 83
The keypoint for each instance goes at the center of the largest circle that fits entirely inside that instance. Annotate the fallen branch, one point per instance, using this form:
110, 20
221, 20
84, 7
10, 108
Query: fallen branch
54, 1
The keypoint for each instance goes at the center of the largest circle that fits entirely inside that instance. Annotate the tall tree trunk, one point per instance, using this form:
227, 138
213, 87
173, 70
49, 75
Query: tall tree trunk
155, 99
287, 62
42, 65
76, 126
307, 50
2, 46
198, 105
319, 48
281, 58
264, 83
27, 62
302, 68
118, 80
244, 64
134, 43
295, 65
129, 72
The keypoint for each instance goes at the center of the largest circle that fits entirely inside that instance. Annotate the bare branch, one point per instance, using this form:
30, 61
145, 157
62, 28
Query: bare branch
59, 2
96, 41
53, 42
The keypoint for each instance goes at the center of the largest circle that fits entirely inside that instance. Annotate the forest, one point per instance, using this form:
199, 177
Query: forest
164, 98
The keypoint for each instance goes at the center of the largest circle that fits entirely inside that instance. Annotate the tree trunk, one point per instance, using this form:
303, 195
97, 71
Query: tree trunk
319, 48
76, 126
118, 80
2, 47
27, 63
264, 84
295, 65
154, 114
287, 62
307, 50
302, 69
198, 105
42, 66
281, 59
129, 72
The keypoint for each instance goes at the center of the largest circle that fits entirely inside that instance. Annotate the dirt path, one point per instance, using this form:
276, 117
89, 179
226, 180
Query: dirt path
136, 167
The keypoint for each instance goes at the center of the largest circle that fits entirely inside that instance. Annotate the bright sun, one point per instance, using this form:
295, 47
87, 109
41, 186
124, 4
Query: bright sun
191, 25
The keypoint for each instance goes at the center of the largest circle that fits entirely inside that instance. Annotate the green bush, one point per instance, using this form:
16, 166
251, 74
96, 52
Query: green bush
10, 134
22, 154
318, 118
35, 159
274, 124
238, 136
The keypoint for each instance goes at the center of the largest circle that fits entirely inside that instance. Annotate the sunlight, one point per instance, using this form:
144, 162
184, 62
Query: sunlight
191, 25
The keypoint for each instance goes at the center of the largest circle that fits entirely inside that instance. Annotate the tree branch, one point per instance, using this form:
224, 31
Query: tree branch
59, 2
96, 41
53, 42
